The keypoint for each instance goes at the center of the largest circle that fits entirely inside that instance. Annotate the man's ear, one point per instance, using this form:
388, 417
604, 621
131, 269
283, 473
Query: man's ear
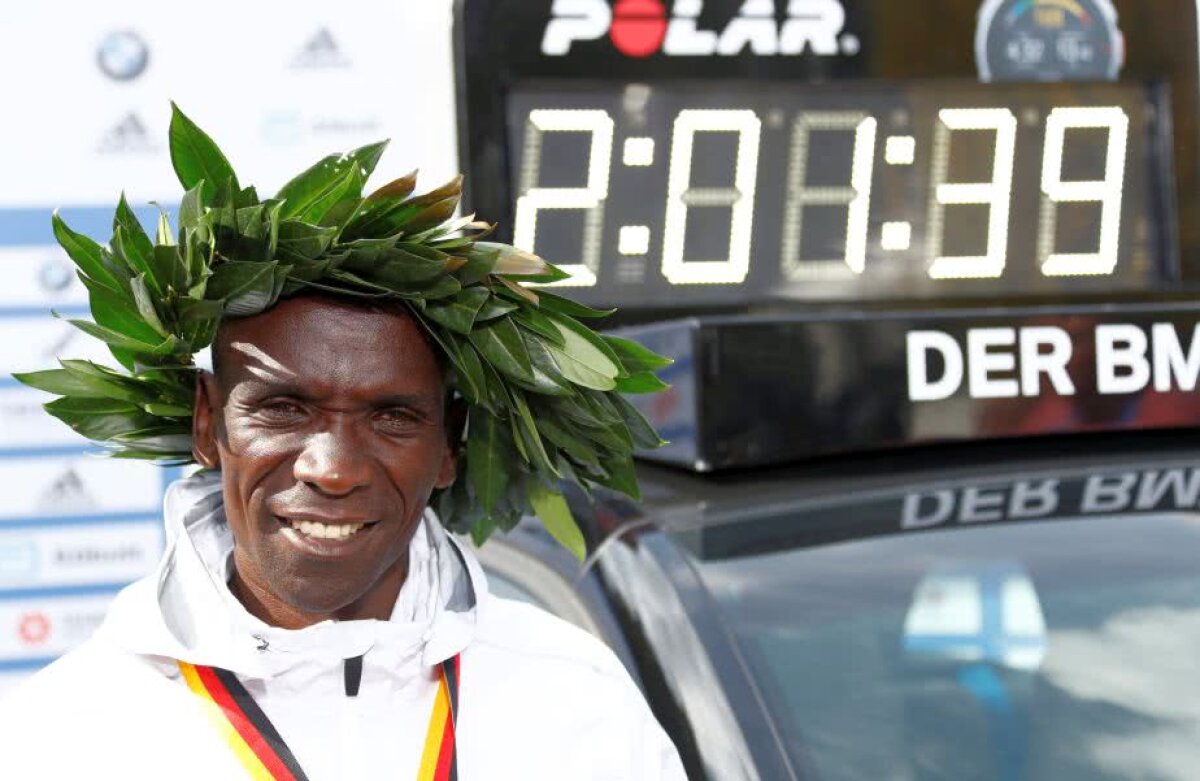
456, 419
205, 410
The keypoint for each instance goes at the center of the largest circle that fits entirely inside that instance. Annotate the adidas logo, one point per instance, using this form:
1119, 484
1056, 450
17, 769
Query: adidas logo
67, 492
321, 51
127, 136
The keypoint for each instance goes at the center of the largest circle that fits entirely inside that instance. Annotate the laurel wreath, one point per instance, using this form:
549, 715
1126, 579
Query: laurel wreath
542, 389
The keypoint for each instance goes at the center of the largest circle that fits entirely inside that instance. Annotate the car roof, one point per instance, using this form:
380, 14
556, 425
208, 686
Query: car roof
869, 494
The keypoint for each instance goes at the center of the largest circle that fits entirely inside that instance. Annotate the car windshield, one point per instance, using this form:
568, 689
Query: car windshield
1056, 650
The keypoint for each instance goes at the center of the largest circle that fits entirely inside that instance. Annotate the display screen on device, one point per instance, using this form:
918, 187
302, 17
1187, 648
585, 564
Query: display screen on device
689, 192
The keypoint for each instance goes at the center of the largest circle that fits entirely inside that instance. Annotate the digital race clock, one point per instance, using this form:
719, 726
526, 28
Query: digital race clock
675, 155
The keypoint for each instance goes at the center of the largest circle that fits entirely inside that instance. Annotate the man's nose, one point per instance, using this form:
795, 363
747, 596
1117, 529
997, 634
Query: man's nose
333, 463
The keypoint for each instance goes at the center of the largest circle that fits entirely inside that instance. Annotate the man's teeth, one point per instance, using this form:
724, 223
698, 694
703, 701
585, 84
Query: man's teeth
326, 532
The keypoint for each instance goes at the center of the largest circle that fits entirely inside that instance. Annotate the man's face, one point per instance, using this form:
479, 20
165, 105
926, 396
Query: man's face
327, 423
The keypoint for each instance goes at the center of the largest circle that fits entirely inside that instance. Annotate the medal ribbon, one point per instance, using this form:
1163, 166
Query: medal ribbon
261, 751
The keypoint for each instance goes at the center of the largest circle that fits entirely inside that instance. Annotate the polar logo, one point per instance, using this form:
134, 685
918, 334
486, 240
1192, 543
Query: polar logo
639, 28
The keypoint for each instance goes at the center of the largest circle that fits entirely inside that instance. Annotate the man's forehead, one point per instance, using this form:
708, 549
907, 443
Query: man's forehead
328, 340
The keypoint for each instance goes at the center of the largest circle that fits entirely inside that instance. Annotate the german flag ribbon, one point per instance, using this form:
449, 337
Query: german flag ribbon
261, 751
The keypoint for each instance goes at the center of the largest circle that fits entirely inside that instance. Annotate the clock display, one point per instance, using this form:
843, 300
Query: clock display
689, 192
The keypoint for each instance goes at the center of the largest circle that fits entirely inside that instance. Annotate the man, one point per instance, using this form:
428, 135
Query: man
310, 617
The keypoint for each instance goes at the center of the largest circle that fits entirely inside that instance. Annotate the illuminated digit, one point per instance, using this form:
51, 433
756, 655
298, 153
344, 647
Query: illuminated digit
856, 196
590, 198
997, 193
739, 198
1108, 192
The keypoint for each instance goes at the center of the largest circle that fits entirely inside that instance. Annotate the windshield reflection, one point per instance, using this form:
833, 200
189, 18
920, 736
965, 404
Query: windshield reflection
1056, 650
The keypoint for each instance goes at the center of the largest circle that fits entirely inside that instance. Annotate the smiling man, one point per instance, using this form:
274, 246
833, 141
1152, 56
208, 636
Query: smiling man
311, 618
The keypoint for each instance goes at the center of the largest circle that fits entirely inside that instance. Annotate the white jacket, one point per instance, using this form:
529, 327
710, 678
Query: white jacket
538, 699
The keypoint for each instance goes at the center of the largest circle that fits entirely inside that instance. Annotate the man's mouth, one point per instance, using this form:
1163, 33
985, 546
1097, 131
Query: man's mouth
326, 531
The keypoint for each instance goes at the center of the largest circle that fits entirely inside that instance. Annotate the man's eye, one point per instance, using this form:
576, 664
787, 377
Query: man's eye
396, 419
280, 410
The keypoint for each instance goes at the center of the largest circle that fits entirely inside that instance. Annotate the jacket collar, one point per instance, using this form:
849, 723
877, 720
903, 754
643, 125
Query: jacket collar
185, 610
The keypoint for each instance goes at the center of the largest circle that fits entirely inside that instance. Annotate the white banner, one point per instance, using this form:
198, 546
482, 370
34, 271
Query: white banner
278, 87
77, 485
32, 343
70, 555
41, 275
24, 424
31, 629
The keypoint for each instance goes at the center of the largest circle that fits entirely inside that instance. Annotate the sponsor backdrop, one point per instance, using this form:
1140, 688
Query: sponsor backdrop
88, 106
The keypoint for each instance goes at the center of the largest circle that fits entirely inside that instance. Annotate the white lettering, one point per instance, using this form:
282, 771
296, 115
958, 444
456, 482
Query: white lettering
1170, 360
983, 363
683, 38
1108, 493
942, 509
1184, 486
815, 23
1053, 364
1033, 500
754, 25
1121, 347
920, 386
575, 20
979, 506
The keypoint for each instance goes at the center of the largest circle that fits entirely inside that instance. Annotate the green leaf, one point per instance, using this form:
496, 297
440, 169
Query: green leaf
434, 214
635, 357
115, 339
501, 344
145, 305
130, 239
560, 436
119, 312
641, 382
620, 476
555, 515
528, 432
565, 306
581, 362
514, 262
477, 267
63, 383
548, 378
471, 376
99, 419
458, 314
535, 321
299, 240
163, 235
245, 287
591, 337
489, 457
167, 410
494, 307
401, 268
643, 433
169, 267
197, 159
85, 253
577, 410
397, 189
310, 195
368, 157
191, 210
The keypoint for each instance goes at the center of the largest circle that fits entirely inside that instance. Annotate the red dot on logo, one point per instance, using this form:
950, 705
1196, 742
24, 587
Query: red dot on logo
34, 628
638, 27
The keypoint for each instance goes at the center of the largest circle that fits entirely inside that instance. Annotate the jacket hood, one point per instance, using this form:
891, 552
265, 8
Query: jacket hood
185, 610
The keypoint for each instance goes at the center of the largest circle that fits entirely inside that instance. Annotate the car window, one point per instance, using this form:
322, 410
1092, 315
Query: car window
1060, 650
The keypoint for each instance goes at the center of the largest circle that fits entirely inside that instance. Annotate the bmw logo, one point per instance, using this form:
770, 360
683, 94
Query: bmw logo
123, 55
55, 275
